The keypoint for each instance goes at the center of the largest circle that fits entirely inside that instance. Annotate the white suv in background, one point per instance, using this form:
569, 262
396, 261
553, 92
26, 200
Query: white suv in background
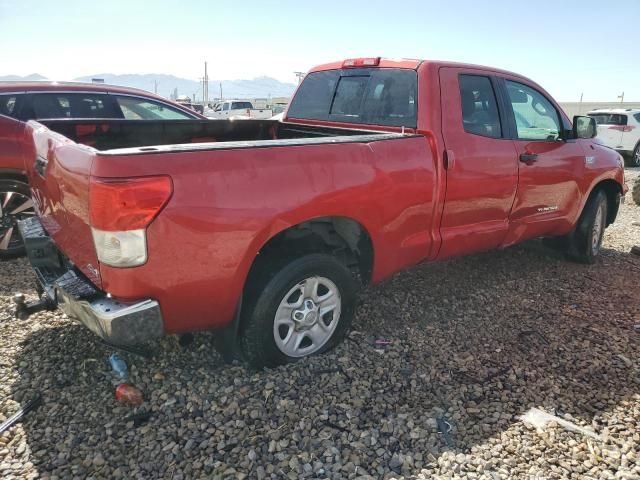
619, 129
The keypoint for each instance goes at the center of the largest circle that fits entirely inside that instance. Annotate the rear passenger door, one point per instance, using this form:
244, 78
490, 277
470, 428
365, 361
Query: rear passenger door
481, 162
550, 165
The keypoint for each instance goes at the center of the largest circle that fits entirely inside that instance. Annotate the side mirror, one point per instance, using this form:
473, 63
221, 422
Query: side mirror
584, 127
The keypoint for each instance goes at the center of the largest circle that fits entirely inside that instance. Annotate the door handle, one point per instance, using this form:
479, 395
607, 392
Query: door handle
528, 158
449, 159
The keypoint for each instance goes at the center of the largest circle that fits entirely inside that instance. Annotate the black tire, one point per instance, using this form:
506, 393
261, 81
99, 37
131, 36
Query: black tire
265, 294
634, 159
585, 241
635, 192
14, 247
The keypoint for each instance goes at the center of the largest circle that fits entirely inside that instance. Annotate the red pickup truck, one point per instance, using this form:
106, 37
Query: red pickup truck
266, 230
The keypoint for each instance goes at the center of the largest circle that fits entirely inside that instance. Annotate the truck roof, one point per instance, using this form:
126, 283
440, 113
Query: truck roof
45, 85
412, 64
54, 86
615, 110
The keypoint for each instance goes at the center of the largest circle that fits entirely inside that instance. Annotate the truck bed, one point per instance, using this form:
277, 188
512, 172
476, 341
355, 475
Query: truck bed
118, 137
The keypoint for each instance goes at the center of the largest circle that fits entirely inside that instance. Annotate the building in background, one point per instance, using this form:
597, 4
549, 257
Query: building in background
582, 108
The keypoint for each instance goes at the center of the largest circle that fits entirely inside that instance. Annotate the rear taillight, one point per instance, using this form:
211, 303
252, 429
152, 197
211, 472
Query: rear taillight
120, 211
622, 128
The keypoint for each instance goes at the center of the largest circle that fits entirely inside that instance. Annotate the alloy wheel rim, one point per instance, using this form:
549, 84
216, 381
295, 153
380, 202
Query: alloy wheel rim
14, 206
307, 317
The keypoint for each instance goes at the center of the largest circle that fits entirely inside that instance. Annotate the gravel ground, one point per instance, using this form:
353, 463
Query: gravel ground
475, 342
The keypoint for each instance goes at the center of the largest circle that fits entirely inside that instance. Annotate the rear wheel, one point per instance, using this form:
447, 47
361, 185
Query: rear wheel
585, 242
15, 204
634, 160
305, 308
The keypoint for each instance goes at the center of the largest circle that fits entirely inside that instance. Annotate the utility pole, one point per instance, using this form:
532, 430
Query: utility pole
580, 106
299, 75
155, 87
621, 97
220, 91
205, 97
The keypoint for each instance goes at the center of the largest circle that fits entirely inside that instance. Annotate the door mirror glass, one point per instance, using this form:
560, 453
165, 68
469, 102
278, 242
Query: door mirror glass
584, 127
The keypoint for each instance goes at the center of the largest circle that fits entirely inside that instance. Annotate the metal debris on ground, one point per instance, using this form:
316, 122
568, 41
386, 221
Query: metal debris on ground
444, 428
34, 403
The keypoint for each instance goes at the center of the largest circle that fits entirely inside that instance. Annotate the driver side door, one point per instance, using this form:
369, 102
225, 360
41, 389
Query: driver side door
549, 166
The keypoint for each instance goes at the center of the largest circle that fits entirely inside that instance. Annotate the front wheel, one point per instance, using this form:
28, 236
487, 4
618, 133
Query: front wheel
15, 204
303, 309
586, 240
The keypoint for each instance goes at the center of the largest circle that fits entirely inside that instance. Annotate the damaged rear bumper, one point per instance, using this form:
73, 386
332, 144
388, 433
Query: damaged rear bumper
119, 323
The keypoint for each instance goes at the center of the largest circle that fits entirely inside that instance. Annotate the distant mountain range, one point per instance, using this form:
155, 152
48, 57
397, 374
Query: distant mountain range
260, 87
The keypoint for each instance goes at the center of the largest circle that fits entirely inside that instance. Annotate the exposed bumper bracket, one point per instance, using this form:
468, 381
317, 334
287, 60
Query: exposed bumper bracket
117, 322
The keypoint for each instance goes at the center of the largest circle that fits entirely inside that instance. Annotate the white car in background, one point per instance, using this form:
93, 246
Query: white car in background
619, 128
236, 109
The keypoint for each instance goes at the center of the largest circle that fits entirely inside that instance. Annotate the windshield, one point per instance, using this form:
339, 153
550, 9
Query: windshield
241, 105
375, 96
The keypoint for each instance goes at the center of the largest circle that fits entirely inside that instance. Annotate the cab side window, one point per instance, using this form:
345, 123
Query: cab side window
536, 118
73, 105
480, 114
135, 108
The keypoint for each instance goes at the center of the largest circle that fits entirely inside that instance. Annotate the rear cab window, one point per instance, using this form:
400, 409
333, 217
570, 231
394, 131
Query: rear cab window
8, 105
609, 118
374, 96
241, 105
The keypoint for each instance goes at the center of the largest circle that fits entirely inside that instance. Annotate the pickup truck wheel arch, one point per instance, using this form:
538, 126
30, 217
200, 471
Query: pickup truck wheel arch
613, 191
342, 237
16, 175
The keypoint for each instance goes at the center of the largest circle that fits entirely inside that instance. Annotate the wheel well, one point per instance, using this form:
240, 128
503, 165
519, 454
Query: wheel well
613, 191
342, 237
11, 175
